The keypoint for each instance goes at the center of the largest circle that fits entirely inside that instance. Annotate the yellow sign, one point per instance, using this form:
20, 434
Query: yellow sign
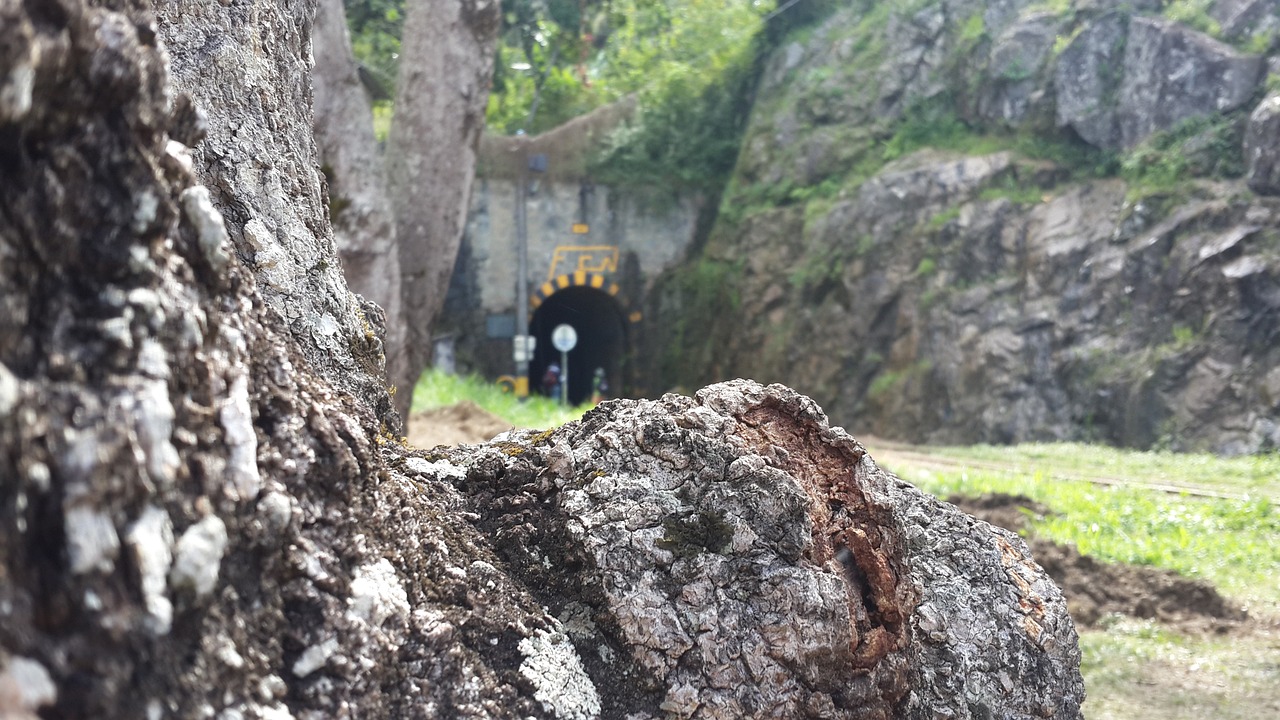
581, 229
583, 258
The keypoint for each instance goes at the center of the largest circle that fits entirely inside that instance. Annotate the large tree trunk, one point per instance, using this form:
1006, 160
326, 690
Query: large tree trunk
358, 201
201, 517
248, 66
446, 63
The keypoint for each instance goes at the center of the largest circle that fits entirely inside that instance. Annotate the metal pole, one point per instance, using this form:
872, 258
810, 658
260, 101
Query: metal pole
522, 275
564, 378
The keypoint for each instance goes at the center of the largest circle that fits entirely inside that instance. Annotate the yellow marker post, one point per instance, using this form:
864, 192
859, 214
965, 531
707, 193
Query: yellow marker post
581, 229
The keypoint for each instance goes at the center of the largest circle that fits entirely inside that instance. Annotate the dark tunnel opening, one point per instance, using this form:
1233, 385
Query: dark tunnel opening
602, 339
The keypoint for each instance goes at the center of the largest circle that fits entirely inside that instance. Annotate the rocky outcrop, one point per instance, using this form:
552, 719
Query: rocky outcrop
1242, 18
1018, 57
196, 521
1114, 282
1262, 147
1123, 78
941, 307
1087, 80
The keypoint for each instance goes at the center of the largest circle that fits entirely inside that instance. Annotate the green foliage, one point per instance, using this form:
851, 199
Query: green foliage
1152, 166
1259, 43
560, 93
690, 63
438, 389
1009, 188
375, 27
940, 219
382, 113
926, 267
1183, 335
1272, 82
1059, 8
884, 383
1197, 147
973, 30
684, 135
1194, 14
705, 296
892, 381
1080, 159
818, 268
540, 73
933, 123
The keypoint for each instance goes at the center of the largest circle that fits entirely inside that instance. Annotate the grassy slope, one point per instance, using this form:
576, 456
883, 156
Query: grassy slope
1232, 543
438, 389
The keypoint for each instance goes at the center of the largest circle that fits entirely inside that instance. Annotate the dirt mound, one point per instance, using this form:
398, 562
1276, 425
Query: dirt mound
462, 424
1097, 589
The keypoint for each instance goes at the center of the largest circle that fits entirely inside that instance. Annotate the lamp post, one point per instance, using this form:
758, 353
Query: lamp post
523, 344
522, 349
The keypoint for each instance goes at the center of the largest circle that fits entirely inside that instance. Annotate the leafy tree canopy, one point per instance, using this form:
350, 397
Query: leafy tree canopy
689, 62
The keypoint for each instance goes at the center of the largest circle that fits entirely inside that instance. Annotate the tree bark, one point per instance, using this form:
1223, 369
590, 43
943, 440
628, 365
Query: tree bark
248, 67
731, 555
358, 200
200, 515
446, 63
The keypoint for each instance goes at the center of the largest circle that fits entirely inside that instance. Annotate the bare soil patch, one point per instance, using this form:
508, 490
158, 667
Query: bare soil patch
1095, 590
464, 423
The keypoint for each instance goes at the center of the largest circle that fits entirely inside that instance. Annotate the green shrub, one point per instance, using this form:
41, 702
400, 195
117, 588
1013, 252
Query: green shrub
1194, 14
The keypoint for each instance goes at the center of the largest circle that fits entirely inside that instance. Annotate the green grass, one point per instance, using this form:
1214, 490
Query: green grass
1251, 474
437, 389
1138, 669
1232, 543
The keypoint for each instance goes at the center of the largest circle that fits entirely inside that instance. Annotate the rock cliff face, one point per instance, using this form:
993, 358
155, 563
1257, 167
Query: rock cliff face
963, 221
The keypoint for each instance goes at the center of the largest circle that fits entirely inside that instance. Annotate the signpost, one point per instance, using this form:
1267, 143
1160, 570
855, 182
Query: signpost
564, 338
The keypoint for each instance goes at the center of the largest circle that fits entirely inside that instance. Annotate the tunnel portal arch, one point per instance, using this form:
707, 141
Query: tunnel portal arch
590, 304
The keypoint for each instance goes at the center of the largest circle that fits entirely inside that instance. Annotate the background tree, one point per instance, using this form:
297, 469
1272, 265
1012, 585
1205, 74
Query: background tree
687, 60
443, 85
359, 208
399, 238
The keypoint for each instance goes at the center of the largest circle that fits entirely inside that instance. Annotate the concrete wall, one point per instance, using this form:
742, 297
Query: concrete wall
657, 231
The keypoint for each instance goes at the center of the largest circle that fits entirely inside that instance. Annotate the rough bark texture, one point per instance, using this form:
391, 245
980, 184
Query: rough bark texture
248, 67
199, 516
194, 520
734, 556
358, 202
446, 64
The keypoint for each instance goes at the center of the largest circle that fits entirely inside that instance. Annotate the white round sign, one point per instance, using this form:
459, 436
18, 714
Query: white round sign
564, 337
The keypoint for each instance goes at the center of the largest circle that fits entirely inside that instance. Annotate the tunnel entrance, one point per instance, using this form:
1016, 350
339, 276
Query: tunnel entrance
602, 339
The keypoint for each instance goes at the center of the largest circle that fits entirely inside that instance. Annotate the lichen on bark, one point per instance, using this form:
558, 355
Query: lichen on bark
731, 555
